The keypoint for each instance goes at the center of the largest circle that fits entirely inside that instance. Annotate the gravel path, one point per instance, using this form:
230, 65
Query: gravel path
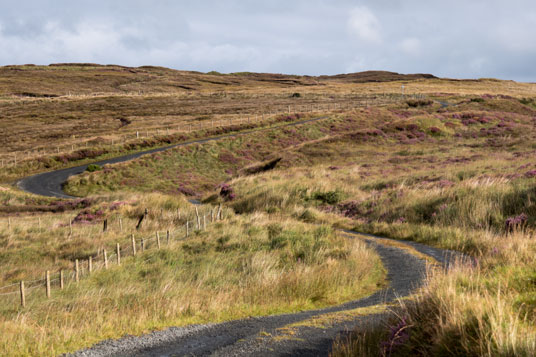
51, 183
268, 335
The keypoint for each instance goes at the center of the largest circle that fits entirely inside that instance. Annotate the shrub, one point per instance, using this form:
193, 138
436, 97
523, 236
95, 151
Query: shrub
93, 167
329, 197
418, 103
227, 192
477, 100
295, 95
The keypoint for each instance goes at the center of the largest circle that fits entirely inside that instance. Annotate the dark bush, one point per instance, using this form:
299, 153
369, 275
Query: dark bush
329, 197
477, 100
93, 167
414, 103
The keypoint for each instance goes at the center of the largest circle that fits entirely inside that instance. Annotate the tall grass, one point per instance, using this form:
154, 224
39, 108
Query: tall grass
244, 266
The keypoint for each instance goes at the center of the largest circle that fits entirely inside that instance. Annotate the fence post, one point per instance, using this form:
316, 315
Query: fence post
167, 237
70, 227
105, 225
198, 218
133, 245
76, 271
158, 240
178, 213
90, 264
218, 215
187, 228
105, 259
22, 295
61, 279
212, 215
142, 245
204, 222
47, 283
118, 252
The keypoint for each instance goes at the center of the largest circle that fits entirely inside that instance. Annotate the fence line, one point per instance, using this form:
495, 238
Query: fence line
11, 160
97, 261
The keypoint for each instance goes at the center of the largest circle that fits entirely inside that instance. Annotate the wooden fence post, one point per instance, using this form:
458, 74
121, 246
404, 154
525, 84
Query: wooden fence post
76, 271
204, 222
118, 252
187, 228
198, 218
90, 264
47, 283
142, 245
167, 237
22, 294
133, 245
105, 225
212, 215
158, 240
218, 214
61, 279
70, 227
105, 259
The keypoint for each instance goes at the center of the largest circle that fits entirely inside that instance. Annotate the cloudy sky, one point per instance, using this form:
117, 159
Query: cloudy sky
456, 38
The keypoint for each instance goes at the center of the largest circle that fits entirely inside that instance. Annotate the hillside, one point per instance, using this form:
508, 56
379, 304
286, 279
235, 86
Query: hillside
64, 78
255, 221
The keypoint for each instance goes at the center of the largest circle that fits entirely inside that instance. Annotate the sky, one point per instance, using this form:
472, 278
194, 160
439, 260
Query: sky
455, 38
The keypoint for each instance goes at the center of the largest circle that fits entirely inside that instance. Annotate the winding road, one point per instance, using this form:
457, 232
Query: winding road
306, 333
51, 183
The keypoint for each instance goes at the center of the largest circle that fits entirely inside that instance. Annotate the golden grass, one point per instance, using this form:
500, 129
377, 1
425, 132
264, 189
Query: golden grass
243, 266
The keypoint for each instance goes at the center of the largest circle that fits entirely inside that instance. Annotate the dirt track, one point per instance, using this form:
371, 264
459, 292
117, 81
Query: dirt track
269, 335
261, 336
50, 183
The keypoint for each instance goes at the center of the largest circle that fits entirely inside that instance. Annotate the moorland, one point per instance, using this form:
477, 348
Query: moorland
448, 163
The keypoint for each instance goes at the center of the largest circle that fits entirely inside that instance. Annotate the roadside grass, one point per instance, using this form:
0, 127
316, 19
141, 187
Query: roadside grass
485, 310
245, 266
457, 194
197, 168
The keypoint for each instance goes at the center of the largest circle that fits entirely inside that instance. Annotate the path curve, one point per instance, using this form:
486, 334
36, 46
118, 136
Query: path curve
255, 336
51, 183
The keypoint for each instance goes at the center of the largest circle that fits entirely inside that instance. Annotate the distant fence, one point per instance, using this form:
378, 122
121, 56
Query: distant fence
11, 160
105, 258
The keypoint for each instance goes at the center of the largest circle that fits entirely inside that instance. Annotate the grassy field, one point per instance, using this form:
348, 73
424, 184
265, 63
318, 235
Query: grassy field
452, 168
239, 267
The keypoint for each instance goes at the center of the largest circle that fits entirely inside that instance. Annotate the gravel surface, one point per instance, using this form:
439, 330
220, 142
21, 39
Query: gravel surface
51, 183
258, 336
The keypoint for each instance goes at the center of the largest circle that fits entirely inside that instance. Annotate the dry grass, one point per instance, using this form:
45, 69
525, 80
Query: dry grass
243, 266
459, 177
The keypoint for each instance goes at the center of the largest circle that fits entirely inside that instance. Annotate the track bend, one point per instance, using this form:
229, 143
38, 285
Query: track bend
51, 183
262, 336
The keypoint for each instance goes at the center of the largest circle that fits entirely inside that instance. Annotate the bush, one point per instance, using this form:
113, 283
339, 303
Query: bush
329, 197
93, 168
295, 95
418, 103
477, 100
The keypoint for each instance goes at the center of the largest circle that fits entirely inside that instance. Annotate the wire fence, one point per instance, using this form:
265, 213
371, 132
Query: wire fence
105, 258
133, 137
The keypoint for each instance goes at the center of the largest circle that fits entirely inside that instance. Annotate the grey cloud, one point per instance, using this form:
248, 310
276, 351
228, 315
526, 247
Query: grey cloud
458, 38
